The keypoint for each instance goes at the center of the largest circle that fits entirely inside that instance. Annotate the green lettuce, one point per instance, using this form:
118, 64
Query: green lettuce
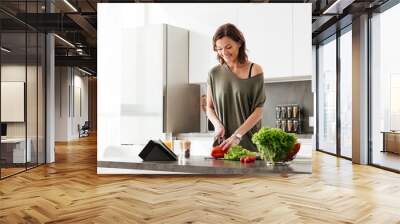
273, 143
236, 152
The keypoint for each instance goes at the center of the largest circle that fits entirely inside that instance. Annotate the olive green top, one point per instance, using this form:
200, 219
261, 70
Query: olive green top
235, 99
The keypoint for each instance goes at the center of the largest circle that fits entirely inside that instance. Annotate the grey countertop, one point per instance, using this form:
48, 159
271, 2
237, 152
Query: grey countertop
120, 158
304, 136
211, 134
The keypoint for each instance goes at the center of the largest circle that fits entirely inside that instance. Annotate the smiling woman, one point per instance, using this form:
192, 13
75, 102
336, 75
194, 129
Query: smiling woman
235, 94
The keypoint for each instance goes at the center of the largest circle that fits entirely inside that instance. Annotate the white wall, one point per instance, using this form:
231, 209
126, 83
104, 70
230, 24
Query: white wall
61, 103
278, 36
67, 116
80, 83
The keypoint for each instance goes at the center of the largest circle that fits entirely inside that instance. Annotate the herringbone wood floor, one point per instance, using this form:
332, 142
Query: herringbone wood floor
70, 191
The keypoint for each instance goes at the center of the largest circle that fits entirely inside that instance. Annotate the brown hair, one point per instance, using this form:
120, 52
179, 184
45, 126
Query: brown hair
231, 31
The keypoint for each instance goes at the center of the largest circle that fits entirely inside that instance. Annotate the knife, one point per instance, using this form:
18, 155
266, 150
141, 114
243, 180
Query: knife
218, 140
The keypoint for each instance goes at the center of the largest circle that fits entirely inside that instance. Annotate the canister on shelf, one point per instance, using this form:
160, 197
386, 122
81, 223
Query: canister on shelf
295, 111
283, 112
278, 112
296, 126
290, 125
284, 125
278, 123
289, 111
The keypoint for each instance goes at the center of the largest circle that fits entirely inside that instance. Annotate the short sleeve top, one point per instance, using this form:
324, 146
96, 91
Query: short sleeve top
235, 99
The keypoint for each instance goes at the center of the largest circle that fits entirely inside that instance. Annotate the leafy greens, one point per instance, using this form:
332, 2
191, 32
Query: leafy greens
273, 143
237, 151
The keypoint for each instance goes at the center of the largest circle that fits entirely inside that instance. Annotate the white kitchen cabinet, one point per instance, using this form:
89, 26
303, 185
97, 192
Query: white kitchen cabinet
201, 57
302, 40
195, 17
202, 23
268, 33
278, 37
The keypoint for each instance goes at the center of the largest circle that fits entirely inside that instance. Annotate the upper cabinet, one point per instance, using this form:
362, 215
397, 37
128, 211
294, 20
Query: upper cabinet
201, 57
302, 40
268, 33
202, 24
278, 37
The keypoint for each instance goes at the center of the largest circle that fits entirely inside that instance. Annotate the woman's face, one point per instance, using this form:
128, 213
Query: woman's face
227, 48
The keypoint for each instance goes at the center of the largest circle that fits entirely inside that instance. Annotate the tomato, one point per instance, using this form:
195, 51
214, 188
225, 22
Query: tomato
226, 150
217, 155
247, 159
217, 152
251, 159
297, 147
293, 152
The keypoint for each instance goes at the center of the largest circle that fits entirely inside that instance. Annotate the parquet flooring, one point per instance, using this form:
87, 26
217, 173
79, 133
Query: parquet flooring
70, 191
386, 159
10, 171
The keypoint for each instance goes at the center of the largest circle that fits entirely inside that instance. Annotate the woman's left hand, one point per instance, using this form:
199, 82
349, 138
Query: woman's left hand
227, 143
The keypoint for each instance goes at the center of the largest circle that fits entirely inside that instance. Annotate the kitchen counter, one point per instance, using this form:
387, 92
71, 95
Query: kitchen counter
304, 136
211, 135
124, 158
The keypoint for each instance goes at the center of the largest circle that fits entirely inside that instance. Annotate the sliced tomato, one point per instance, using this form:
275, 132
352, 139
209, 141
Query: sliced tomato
251, 159
247, 159
226, 150
217, 152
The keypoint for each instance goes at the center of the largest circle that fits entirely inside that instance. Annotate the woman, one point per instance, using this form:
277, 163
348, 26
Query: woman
235, 91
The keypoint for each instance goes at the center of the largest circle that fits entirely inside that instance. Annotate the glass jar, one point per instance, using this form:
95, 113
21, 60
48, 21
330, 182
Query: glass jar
278, 123
185, 145
283, 112
295, 111
290, 125
296, 126
284, 125
289, 111
278, 112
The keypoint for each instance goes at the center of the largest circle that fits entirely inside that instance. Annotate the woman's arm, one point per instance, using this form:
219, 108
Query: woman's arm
250, 121
243, 129
210, 111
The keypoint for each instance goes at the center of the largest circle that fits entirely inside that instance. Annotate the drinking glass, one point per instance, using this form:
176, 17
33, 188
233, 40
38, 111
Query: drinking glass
168, 140
185, 144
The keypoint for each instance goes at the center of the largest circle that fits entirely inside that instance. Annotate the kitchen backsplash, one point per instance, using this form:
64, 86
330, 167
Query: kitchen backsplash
298, 92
